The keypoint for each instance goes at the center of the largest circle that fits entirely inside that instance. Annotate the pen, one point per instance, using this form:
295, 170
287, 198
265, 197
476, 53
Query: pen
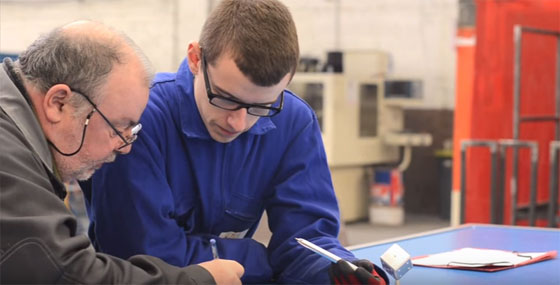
322, 252
214, 248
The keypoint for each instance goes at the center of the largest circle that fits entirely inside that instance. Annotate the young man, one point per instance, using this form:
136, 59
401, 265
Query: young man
70, 103
222, 142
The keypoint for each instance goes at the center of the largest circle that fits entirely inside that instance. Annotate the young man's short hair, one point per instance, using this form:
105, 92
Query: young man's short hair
260, 35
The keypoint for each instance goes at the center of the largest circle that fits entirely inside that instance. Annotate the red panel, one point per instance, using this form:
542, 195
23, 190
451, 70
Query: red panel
492, 98
464, 92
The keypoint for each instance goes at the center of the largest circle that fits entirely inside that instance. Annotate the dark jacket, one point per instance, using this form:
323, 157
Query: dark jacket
38, 241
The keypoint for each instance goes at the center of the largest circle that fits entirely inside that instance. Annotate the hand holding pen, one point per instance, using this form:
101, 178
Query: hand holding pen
227, 272
344, 272
324, 253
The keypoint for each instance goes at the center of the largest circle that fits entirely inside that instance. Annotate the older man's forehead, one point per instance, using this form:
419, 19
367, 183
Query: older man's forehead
123, 105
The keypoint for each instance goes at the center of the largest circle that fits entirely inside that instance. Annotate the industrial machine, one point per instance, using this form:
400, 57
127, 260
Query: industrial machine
360, 112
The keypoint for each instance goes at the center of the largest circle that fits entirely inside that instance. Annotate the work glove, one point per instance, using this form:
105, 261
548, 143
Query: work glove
367, 273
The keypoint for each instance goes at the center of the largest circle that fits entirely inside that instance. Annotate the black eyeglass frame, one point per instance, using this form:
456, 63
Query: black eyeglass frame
272, 111
135, 129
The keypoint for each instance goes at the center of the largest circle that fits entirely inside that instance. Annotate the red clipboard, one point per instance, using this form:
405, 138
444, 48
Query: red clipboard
480, 259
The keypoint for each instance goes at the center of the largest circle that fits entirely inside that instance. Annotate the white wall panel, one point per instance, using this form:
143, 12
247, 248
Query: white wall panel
418, 34
157, 26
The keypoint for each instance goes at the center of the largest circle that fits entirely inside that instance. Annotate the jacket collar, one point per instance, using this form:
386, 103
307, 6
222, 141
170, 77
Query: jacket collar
191, 122
13, 102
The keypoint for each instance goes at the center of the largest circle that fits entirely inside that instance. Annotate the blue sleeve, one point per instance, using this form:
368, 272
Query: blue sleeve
133, 210
304, 205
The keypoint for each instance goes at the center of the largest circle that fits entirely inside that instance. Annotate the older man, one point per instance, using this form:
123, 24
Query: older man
70, 103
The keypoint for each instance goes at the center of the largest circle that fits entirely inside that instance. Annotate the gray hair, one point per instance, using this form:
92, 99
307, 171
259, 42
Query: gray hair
82, 61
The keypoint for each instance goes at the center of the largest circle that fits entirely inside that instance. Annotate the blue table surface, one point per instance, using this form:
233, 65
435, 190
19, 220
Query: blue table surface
522, 239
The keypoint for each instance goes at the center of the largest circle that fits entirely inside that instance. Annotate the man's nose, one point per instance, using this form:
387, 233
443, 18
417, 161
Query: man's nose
237, 119
123, 150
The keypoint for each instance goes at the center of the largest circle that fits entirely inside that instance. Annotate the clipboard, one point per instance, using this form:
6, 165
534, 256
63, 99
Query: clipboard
479, 259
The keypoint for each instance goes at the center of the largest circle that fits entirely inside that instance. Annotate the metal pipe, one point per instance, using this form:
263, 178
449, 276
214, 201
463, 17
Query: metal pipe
553, 194
538, 118
533, 193
541, 31
493, 147
515, 145
463, 181
407, 157
517, 34
493, 192
500, 188
553, 197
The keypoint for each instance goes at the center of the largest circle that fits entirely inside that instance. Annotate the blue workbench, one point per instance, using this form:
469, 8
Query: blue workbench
514, 238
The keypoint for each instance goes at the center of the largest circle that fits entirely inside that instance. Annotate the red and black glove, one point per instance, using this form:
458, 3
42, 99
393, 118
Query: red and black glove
367, 273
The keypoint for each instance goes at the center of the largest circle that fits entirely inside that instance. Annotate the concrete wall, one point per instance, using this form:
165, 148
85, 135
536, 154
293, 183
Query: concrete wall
418, 34
162, 28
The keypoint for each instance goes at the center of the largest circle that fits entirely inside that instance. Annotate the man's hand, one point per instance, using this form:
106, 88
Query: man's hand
224, 271
367, 273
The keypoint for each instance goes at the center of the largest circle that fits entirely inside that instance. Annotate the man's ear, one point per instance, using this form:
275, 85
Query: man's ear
55, 102
194, 56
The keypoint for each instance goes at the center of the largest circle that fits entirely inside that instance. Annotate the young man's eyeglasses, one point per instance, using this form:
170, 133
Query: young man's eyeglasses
231, 104
126, 141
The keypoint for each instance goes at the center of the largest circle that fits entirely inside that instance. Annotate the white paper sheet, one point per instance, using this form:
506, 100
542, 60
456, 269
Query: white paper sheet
476, 257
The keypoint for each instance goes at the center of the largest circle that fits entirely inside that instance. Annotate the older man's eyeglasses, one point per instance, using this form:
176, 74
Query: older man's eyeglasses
231, 104
126, 140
